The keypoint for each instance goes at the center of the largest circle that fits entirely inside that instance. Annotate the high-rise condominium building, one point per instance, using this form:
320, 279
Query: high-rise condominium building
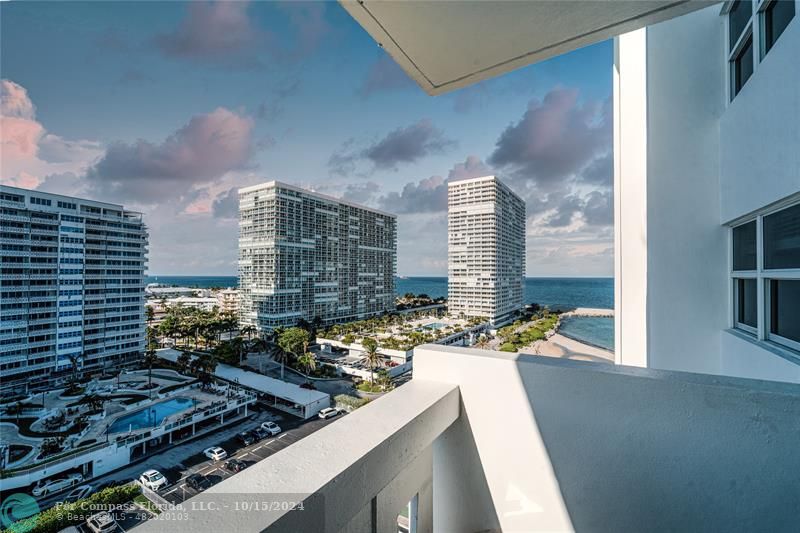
72, 286
486, 249
307, 256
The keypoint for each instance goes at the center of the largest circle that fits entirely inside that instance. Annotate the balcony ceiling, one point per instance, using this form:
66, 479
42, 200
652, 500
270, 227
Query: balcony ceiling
446, 45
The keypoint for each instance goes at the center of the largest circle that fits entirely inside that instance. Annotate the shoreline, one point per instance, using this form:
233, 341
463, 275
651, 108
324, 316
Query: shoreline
563, 347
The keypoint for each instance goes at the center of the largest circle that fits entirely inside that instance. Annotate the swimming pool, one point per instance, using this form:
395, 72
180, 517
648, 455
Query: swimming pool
434, 325
150, 416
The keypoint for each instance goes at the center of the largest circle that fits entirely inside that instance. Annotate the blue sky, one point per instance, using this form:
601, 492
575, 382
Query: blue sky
168, 107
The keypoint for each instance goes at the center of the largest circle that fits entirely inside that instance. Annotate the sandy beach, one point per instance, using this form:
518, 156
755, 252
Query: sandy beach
566, 348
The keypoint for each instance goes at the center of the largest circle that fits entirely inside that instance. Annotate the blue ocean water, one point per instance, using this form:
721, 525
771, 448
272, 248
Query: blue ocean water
552, 292
590, 329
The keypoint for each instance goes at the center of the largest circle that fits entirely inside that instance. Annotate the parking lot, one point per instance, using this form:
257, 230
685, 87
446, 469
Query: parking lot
215, 471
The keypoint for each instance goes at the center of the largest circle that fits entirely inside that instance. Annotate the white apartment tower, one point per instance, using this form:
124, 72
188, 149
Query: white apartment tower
308, 256
486, 249
72, 286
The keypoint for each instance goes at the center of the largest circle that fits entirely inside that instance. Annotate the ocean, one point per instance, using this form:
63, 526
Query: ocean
553, 292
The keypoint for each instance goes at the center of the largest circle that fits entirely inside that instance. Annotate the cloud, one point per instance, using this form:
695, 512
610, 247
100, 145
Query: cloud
27, 151
226, 205
198, 153
14, 101
554, 139
223, 34
399, 146
384, 75
430, 195
599, 208
215, 32
599, 171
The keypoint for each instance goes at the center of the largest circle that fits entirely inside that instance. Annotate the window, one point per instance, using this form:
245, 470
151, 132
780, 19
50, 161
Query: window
766, 276
744, 246
753, 25
40, 201
740, 44
782, 239
776, 16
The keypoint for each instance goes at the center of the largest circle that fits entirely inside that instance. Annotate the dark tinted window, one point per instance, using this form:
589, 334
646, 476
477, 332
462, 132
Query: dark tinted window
785, 308
782, 239
737, 19
744, 246
743, 66
747, 312
776, 17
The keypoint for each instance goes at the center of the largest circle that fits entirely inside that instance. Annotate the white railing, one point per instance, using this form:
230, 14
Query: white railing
491, 441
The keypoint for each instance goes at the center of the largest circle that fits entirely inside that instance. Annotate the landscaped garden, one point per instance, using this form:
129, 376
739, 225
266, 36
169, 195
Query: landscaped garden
525, 332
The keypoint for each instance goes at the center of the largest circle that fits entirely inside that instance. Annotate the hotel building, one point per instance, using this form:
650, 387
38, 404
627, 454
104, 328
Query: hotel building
307, 256
486, 249
72, 283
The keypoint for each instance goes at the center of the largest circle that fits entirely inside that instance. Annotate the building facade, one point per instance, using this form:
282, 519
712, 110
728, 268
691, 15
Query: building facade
228, 301
307, 256
708, 243
486, 249
72, 286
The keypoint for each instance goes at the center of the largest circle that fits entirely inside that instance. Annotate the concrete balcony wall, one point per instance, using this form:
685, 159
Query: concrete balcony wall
556, 445
491, 441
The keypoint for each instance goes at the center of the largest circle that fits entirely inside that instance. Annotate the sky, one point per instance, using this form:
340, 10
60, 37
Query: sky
168, 108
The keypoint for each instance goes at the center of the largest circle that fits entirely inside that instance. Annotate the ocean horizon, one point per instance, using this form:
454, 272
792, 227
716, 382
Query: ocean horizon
553, 292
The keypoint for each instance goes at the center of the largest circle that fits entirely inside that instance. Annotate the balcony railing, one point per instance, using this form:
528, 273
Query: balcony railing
489, 441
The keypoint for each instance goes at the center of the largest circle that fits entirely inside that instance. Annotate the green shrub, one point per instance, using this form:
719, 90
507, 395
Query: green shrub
57, 518
350, 403
508, 347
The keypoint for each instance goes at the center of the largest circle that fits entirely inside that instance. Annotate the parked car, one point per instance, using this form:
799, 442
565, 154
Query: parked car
78, 493
198, 482
272, 427
261, 433
153, 480
55, 485
215, 453
102, 522
328, 412
246, 438
235, 465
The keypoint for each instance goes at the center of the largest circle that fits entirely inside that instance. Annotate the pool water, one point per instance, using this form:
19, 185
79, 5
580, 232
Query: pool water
435, 325
150, 416
595, 330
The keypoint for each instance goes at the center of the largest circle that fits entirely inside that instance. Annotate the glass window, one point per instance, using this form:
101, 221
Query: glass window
738, 17
744, 246
782, 239
776, 17
746, 302
742, 66
785, 308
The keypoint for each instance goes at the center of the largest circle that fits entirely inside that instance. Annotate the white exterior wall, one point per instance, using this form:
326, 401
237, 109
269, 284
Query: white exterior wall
686, 164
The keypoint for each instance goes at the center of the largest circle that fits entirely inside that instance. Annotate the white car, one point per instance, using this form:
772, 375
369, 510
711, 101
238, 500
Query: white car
55, 485
78, 493
272, 427
153, 480
328, 412
215, 453
102, 522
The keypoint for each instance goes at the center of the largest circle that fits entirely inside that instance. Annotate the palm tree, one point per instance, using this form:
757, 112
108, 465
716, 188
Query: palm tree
293, 341
308, 361
248, 330
371, 355
149, 359
74, 359
184, 361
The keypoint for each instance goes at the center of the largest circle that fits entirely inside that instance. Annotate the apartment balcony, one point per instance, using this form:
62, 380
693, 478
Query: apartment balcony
488, 441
